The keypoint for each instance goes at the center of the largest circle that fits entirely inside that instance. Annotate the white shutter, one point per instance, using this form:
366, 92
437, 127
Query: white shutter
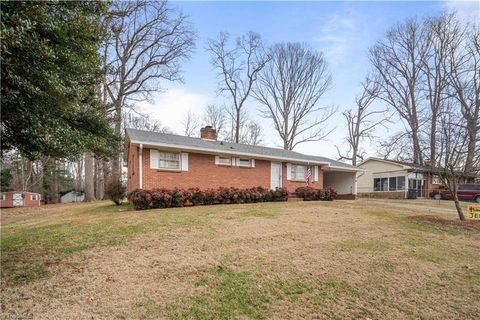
315, 173
154, 157
289, 171
253, 163
184, 161
217, 160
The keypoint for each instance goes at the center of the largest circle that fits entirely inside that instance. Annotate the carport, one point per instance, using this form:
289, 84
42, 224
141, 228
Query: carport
343, 180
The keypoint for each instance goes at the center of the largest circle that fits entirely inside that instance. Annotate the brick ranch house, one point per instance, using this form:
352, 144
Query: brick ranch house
391, 179
160, 160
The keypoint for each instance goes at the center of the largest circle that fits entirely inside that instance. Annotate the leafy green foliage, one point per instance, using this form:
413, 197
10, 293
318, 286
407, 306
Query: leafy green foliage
50, 70
55, 179
116, 190
5, 179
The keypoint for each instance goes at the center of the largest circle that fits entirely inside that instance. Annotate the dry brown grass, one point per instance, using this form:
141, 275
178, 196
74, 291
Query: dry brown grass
322, 260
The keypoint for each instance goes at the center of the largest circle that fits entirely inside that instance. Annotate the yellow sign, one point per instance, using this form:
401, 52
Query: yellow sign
473, 212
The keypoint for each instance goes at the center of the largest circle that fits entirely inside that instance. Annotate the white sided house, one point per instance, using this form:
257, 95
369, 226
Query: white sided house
392, 179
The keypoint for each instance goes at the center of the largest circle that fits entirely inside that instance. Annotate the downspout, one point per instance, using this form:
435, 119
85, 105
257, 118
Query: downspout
140, 167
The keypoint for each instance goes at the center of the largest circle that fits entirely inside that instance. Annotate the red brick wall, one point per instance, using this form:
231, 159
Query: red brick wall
27, 202
292, 185
383, 195
204, 173
133, 178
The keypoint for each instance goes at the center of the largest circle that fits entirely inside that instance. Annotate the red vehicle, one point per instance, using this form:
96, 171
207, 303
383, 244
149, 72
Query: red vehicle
466, 192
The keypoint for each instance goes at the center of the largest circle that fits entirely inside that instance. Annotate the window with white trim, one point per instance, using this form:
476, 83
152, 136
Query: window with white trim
34, 197
168, 160
297, 172
2, 197
389, 184
226, 161
436, 179
244, 162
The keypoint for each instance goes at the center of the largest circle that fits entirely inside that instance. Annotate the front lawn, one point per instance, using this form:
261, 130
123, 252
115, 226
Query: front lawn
362, 259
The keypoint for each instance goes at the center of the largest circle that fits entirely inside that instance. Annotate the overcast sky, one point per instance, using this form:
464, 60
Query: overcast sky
344, 31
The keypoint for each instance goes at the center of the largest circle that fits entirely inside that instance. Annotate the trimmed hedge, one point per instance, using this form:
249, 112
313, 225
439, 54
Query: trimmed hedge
311, 194
168, 198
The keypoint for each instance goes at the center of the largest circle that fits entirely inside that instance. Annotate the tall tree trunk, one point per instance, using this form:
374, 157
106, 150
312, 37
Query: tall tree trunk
116, 166
457, 206
472, 128
100, 180
89, 178
417, 151
237, 126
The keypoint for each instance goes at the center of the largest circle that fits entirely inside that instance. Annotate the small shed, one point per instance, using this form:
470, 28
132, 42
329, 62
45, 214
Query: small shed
72, 196
10, 199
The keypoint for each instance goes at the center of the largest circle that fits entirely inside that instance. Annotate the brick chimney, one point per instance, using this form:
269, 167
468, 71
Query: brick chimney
208, 133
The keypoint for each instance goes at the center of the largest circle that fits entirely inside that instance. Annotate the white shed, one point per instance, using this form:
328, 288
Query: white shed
72, 196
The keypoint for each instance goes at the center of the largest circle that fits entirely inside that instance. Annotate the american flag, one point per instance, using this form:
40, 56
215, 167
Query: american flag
308, 175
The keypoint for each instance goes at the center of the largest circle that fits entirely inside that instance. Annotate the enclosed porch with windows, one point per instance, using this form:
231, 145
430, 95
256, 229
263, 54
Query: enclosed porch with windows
397, 184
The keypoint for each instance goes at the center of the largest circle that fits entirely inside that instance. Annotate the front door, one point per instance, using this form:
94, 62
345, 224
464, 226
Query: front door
17, 200
276, 175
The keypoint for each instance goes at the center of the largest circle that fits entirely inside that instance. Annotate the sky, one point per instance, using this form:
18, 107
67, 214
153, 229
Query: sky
343, 31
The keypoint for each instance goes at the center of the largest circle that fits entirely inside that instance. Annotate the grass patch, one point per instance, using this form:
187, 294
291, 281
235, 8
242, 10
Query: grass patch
256, 212
381, 214
233, 294
370, 245
417, 242
319, 291
441, 255
27, 247
421, 227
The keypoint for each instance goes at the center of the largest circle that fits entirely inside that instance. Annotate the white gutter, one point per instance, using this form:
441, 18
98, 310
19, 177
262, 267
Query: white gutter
140, 167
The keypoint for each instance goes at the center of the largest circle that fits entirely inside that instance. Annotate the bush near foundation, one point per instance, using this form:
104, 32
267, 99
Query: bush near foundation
311, 194
168, 198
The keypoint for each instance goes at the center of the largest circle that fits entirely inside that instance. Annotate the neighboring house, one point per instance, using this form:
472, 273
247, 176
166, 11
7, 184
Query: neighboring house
12, 199
169, 161
392, 179
72, 196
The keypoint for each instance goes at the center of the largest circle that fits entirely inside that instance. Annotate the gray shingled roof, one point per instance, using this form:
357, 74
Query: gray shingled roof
149, 137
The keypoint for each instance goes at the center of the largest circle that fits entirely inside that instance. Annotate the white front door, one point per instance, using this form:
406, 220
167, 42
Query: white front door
17, 200
276, 175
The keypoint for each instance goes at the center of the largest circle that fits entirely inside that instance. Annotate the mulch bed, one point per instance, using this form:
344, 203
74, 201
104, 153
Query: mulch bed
473, 225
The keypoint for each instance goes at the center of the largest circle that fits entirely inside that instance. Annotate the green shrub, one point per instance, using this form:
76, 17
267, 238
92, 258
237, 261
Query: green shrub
116, 190
311, 194
166, 198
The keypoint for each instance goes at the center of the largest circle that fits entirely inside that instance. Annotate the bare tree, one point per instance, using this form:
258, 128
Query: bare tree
441, 32
362, 122
147, 43
396, 147
398, 60
191, 125
290, 87
215, 116
463, 69
453, 151
238, 69
141, 121
252, 134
